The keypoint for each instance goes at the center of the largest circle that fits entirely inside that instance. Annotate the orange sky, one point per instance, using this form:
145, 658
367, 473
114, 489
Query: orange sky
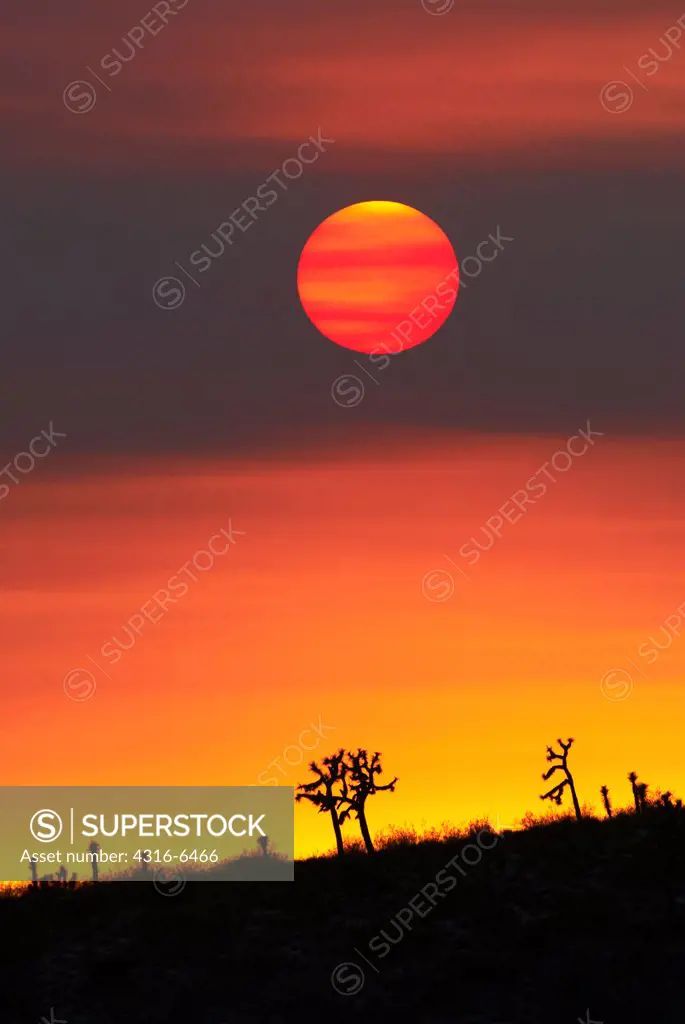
208, 90
318, 611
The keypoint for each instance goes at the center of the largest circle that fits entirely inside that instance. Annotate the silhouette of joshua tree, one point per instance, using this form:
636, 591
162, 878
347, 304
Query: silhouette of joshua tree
639, 792
263, 844
94, 848
632, 778
607, 802
328, 791
642, 795
362, 784
556, 792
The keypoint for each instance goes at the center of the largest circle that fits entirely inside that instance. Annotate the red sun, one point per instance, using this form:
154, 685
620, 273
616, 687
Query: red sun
378, 277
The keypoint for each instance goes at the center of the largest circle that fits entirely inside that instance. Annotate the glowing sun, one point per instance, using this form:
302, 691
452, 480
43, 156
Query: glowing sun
378, 277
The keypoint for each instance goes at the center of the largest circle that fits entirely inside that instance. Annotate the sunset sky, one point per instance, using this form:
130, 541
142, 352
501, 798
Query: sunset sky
557, 130
318, 615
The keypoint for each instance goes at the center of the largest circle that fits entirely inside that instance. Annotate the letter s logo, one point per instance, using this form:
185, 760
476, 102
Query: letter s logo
46, 826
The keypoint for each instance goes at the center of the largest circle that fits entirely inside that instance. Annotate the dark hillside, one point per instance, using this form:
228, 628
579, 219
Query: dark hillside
534, 926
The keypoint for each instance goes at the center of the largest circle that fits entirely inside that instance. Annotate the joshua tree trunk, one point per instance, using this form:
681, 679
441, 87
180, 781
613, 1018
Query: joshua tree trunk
338, 832
364, 829
632, 778
574, 796
94, 849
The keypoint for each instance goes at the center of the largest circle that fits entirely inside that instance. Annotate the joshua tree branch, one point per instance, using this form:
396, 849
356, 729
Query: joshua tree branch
555, 792
390, 785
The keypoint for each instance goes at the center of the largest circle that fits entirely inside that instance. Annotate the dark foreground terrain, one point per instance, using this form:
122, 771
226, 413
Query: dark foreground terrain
543, 926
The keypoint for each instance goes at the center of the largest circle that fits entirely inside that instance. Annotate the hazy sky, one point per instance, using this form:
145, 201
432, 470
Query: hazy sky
486, 118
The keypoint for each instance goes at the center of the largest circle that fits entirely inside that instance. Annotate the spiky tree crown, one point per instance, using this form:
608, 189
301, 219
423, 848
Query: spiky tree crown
362, 772
321, 792
556, 792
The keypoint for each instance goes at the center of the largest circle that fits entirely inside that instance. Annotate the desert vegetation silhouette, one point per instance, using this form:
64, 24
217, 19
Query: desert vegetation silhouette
604, 790
561, 765
527, 919
342, 785
345, 780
